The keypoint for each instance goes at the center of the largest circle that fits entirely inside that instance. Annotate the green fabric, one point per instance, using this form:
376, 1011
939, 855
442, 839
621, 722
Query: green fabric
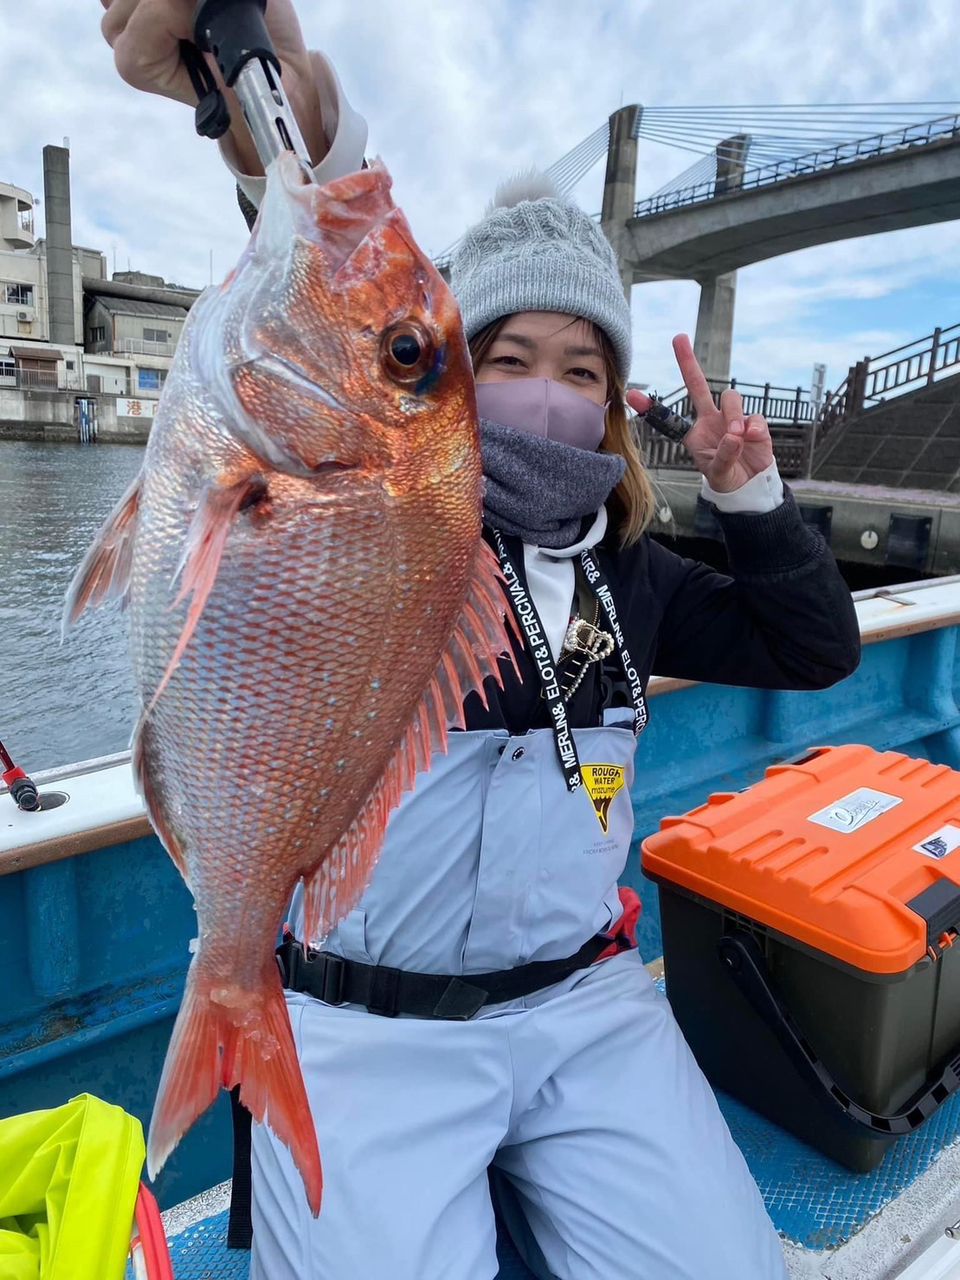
68, 1186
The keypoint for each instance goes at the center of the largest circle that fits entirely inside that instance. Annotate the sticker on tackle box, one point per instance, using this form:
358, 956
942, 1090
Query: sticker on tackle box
854, 811
940, 843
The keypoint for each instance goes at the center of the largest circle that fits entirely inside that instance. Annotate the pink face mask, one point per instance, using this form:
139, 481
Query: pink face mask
544, 408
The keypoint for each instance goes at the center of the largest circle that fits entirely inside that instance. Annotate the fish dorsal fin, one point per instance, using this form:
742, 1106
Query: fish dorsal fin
104, 572
481, 636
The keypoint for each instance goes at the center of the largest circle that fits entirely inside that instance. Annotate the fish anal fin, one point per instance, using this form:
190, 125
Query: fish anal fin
104, 572
224, 1037
480, 638
202, 553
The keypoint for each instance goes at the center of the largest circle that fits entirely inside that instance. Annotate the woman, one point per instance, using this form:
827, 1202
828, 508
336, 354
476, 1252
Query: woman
564, 1071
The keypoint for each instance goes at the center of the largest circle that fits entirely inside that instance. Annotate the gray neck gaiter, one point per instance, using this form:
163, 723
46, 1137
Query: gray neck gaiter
540, 490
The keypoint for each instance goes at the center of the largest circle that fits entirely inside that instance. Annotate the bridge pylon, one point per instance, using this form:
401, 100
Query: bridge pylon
620, 185
714, 333
713, 340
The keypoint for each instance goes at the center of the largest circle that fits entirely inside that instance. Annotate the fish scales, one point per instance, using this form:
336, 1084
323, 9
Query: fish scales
310, 601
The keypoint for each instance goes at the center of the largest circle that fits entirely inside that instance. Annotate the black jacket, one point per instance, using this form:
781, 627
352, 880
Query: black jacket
783, 618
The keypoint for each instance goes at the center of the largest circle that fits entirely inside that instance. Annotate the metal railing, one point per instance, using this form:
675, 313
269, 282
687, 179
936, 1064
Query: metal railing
801, 433
876, 379
122, 387
792, 448
784, 405
40, 380
72, 382
140, 347
942, 129
789, 411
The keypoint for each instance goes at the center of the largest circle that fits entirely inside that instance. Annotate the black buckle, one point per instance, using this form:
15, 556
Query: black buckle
384, 991
289, 958
318, 974
332, 974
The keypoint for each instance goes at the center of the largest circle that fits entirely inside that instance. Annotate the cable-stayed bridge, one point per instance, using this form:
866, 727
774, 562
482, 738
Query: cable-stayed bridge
768, 179
876, 465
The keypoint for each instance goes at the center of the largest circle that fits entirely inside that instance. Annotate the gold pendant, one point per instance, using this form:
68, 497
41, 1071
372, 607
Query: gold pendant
583, 637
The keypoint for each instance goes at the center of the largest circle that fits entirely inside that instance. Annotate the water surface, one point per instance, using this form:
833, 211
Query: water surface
59, 703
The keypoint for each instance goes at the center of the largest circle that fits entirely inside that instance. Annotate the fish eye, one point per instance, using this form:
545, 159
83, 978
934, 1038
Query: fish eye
406, 351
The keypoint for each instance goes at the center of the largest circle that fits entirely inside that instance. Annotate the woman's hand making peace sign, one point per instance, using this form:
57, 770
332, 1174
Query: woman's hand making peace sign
728, 449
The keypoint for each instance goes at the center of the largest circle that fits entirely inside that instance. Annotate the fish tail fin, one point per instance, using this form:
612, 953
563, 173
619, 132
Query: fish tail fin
245, 1039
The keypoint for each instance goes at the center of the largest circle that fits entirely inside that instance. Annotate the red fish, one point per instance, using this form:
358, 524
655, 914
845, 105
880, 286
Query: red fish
310, 601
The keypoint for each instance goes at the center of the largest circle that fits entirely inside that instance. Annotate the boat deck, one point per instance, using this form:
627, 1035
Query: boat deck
836, 1224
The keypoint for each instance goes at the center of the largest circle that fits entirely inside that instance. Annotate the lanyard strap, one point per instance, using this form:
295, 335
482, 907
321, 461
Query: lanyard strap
526, 614
602, 592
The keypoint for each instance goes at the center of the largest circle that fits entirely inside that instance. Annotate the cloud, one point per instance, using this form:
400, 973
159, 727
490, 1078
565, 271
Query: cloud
460, 95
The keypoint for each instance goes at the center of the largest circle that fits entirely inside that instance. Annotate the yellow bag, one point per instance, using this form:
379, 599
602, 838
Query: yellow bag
68, 1186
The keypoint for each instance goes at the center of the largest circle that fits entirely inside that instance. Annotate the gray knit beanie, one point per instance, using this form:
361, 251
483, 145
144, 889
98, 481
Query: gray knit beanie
535, 251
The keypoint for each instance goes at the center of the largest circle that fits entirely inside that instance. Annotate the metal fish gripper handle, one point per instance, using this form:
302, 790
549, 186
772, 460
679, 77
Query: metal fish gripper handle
663, 420
235, 33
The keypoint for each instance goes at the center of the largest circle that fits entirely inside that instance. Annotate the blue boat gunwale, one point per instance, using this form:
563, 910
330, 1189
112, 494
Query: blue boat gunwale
895, 618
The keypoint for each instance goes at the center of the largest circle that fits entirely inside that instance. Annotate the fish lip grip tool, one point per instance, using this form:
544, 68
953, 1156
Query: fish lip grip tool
672, 426
235, 33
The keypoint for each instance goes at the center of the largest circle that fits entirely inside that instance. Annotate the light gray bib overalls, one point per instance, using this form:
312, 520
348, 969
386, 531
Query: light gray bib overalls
585, 1094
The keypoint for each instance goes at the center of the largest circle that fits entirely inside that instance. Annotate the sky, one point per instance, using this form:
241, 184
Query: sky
460, 95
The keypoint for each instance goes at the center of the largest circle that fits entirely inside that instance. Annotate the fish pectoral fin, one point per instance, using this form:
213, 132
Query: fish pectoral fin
104, 572
225, 1036
202, 553
480, 638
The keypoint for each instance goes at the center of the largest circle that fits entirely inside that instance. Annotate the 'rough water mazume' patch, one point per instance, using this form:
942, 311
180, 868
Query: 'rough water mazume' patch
602, 782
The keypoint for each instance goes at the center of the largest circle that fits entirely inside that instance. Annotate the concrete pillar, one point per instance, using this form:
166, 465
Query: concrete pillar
731, 162
59, 243
713, 341
620, 184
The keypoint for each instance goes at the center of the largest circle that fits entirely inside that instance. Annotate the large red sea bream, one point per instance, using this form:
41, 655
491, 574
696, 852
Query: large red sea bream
309, 601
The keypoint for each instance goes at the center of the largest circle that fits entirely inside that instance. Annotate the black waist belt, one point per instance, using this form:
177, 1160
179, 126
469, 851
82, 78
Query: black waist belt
387, 991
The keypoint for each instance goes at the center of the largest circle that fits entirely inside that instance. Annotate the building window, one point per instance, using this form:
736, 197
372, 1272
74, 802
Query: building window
69, 364
156, 335
98, 333
8, 368
20, 295
150, 379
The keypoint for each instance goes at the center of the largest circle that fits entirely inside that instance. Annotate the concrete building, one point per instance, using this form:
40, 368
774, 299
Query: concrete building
131, 326
16, 217
24, 298
25, 310
75, 345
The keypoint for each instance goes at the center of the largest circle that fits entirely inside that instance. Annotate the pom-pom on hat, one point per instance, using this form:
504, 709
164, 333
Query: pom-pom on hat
533, 250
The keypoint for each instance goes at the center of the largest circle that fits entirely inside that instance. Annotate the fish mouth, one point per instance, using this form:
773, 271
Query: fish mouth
337, 216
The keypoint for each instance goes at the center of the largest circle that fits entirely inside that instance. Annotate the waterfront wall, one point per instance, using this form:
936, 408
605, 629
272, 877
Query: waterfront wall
49, 416
916, 530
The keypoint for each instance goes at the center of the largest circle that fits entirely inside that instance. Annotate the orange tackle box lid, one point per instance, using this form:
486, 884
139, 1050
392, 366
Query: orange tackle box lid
853, 852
